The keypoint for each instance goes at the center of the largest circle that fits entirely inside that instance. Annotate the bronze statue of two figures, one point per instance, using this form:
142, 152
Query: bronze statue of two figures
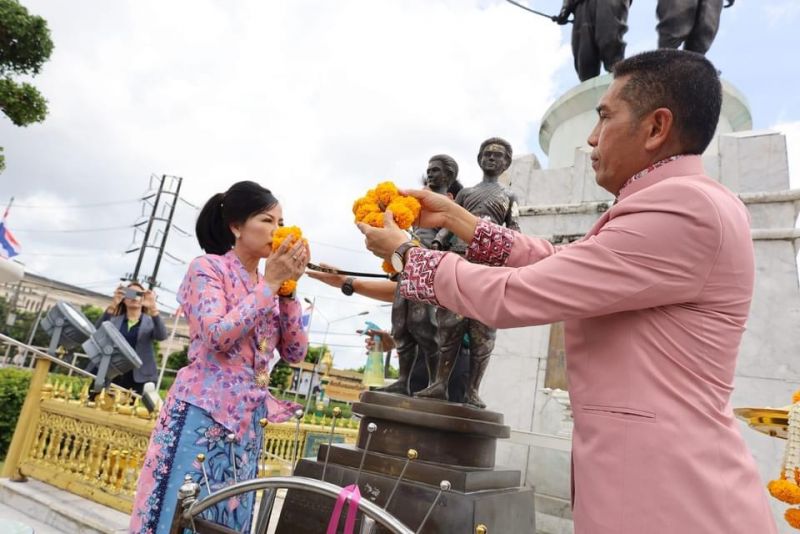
444, 355
598, 27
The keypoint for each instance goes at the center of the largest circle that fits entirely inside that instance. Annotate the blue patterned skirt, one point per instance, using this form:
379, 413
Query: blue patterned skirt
181, 433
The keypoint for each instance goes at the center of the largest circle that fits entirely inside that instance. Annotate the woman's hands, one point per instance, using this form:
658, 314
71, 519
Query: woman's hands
119, 294
288, 262
149, 302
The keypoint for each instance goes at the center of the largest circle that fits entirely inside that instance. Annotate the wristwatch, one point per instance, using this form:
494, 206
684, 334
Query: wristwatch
398, 259
347, 287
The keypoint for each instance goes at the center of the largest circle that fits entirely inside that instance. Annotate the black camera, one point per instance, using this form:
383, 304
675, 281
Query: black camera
131, 293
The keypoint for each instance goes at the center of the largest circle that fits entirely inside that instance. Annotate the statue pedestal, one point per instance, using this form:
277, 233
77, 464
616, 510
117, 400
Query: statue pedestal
454, 442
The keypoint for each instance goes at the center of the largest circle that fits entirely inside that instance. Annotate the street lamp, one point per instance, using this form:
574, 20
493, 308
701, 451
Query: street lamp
66, 326
111, 354
324, 341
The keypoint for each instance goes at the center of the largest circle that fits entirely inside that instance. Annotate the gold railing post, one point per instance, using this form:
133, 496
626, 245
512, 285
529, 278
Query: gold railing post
26, 424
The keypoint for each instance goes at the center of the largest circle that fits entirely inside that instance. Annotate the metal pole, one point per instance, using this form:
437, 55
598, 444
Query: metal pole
12, 308
165, 357
177, 192
300, 371
34, 328
147, 231
316, 363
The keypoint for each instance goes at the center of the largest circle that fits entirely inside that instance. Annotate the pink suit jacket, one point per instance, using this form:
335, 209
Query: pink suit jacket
655, 299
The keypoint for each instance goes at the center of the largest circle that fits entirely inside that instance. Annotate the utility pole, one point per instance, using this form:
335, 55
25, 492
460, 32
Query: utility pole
152, 218
166, 231
168, 186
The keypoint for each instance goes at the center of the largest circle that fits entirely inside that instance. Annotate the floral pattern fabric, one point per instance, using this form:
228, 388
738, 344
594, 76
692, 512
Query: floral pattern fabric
181, 433
236, 325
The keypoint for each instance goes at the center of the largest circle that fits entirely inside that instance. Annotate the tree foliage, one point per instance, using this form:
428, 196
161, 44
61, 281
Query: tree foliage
25, 45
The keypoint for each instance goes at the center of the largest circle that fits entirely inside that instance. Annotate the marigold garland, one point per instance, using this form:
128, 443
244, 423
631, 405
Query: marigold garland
783, 489
288, 286
370, 208
792, 517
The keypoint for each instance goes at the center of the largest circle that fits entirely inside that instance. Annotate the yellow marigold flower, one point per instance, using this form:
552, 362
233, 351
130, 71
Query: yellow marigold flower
387, 267
386, 192
374, 219
372, 196
282, 233
796, 397
403, 216
784, 490
364, 209
792, 517
287, 288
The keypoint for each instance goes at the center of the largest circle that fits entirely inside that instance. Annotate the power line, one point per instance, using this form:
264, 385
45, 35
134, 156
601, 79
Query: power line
74, 206
71, 230
71, 254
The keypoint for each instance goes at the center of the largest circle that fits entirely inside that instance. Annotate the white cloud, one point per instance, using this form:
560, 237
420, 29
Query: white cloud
316, 100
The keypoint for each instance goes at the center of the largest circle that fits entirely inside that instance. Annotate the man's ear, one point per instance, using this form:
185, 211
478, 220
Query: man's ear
660, 129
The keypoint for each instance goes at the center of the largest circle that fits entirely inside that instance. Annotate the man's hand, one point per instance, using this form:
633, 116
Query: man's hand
436, 208
384, 241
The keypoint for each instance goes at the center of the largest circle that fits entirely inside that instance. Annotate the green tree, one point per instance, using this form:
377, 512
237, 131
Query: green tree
178, 359
92, 312
25, 46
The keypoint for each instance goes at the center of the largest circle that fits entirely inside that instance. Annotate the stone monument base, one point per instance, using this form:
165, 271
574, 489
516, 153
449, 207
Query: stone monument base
454, 442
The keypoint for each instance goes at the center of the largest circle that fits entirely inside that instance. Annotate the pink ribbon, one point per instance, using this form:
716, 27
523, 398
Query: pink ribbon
351, 494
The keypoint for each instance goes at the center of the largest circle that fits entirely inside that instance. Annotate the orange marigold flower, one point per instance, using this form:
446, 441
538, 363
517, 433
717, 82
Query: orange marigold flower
403, 216
792, 517
283, 232
287, 288
796, 397
364, 209
784, 490
386, 192
387, 267
374, 219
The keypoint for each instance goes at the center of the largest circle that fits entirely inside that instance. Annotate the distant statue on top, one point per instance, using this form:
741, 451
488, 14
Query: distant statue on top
691, 23
598, 27
597, 30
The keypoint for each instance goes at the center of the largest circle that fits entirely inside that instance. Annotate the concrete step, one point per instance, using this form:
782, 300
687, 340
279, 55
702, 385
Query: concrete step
51, 510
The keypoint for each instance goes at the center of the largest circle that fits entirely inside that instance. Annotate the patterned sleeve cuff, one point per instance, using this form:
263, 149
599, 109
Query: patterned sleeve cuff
491, 244
419, 273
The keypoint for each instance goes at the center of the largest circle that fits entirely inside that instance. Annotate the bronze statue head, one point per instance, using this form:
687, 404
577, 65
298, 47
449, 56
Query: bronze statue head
494, 156
442, 172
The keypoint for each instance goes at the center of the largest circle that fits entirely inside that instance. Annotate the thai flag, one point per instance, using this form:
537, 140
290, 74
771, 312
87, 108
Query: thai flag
9, 247
305, 318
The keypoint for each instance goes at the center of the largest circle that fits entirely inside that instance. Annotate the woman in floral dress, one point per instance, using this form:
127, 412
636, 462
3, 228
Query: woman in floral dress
236, 323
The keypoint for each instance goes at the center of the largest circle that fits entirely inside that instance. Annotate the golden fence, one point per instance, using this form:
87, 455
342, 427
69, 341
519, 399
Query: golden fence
96, 449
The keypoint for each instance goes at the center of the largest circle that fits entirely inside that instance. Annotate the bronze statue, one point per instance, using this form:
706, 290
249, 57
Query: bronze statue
597, 31
414, 323
491, 200
691, 23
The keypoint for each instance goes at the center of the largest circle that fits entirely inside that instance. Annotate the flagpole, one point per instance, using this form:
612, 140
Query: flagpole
8, 208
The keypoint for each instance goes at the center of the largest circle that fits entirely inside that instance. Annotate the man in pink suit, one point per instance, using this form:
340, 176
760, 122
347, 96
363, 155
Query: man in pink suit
655, 299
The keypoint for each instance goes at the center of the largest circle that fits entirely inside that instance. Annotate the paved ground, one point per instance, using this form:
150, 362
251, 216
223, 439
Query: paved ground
6, 512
